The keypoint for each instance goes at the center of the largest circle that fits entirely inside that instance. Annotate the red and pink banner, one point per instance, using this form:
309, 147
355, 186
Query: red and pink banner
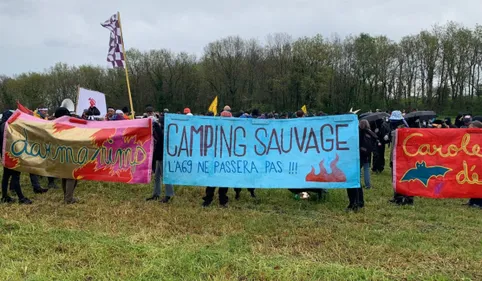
112, 151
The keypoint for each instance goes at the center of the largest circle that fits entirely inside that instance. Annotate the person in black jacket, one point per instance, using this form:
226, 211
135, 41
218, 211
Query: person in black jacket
9, 173
158, 135
368, 143
382, 129
475, 202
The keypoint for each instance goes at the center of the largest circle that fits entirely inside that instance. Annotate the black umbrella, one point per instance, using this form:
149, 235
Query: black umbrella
364, 114
376, 116
421, 115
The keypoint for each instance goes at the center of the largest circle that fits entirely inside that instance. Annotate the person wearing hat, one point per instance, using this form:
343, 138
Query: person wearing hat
9, 175
149, 111
226, 112
396, 122
119, 115
467, 121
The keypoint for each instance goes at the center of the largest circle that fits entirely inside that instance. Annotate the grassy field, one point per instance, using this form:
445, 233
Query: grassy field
115, 235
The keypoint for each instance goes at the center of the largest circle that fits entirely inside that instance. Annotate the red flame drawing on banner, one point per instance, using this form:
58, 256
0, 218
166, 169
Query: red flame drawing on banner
336, 175
10, 162
59, 127
90, 172
102, 135
141, 135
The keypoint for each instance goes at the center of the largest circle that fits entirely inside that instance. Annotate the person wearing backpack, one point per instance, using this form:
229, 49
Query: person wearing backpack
158, 136
368, 142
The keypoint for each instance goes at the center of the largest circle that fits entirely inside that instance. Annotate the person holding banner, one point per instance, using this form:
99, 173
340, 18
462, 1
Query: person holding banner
68, 185
158, 135
10, 175
304, 193
223, 191
368, 143
475, 202
397, 122
238, 190
42, 113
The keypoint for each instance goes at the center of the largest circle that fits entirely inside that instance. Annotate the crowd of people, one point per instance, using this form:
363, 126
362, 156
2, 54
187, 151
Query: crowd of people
375, 134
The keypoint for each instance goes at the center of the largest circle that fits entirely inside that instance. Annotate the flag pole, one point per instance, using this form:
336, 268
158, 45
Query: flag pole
125, 68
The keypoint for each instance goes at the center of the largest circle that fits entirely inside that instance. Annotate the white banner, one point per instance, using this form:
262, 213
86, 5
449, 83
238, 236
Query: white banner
87, 98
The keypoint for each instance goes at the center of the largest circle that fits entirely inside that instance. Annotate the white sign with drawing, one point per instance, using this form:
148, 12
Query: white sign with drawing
88, 98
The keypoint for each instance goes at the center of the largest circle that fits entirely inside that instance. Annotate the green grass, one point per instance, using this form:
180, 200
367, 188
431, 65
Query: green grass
115, 235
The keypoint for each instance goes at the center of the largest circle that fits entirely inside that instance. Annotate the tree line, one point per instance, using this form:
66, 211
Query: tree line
436, 69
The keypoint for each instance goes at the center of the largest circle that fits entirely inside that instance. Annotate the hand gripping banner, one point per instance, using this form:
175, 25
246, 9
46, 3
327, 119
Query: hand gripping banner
112, 151
318, 152
438, 163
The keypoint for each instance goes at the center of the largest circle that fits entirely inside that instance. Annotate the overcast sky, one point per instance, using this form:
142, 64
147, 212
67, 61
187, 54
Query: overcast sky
35, 34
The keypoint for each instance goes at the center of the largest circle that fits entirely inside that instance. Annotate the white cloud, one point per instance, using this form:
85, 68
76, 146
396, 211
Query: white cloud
35, 34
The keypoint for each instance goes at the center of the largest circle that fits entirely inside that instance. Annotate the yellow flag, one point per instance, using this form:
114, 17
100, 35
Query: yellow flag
214, 106
303, 108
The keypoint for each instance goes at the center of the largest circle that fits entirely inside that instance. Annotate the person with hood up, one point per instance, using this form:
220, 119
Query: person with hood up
397, 122
9, 175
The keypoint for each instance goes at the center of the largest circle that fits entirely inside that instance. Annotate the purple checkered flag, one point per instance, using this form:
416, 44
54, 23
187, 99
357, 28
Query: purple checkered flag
115, 55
